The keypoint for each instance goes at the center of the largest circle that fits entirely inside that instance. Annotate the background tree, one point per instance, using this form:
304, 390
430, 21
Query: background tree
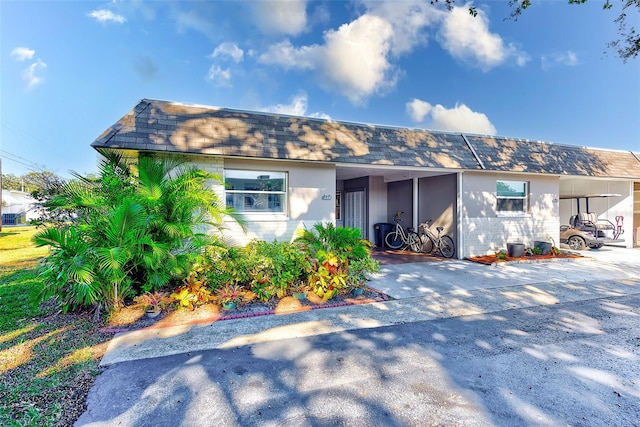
11, 182
627, 46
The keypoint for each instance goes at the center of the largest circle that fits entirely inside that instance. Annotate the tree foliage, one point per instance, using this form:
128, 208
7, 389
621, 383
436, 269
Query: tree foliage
627, 46
11, 182
134, 228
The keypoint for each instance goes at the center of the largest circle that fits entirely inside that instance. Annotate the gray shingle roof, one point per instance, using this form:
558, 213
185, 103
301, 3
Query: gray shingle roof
164, 126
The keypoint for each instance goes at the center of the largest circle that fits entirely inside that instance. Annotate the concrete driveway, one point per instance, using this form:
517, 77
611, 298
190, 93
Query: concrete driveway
463, 344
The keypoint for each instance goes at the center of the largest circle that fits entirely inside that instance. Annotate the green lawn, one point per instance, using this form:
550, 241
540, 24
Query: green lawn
48, 360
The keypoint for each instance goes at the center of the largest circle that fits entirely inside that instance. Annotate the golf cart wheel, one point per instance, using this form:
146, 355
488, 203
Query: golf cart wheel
595, 246
576, 243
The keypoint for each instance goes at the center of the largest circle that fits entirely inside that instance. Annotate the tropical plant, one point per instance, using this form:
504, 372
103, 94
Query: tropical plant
333, 250
328, 276
346, 243
358, 270
192, 293
229, 294
155, 301
134, 229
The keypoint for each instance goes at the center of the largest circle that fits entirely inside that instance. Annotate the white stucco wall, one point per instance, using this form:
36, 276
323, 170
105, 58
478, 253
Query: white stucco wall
485, 231
310, 199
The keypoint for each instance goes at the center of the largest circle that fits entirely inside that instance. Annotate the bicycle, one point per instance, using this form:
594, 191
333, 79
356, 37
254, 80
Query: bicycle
399, 238
429, 241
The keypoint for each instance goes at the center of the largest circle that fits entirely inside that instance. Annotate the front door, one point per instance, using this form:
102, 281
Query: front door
354, 210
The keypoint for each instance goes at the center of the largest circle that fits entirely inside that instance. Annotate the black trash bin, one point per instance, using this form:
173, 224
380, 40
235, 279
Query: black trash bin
380, 230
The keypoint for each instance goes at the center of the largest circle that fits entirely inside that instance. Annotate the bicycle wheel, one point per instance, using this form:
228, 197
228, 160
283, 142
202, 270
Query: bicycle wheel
415, 243
394, 240
447, 247
428, 244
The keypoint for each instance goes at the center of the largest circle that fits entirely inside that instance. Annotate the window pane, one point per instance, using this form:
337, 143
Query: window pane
511, 188
510, 205
256, 191
254, 180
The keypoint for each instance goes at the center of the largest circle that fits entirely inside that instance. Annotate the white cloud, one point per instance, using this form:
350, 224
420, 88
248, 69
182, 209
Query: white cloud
458, 119
357, 59
194, 20
468, 39
408, 20
104, 15
297, 107
22, 53
228, 49
219, 76
418, 109
288, 56
29, 74
353, 61
281, 16
568, 59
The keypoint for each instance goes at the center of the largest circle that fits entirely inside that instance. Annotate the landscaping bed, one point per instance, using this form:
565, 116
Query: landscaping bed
495, 259
132, 318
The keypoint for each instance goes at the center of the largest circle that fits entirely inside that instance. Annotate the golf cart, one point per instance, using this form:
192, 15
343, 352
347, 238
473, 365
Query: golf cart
585, 229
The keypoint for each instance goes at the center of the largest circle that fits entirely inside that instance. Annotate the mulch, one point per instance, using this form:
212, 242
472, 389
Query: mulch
493, 259
208, 313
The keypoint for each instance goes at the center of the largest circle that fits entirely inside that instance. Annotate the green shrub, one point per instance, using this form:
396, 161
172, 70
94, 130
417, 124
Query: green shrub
333, 251
346, 243
358, 270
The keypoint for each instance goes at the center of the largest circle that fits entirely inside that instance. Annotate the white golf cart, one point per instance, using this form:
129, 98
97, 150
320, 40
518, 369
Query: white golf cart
585, 229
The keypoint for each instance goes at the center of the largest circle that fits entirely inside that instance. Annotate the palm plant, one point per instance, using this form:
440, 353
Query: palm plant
135, 228
346, 243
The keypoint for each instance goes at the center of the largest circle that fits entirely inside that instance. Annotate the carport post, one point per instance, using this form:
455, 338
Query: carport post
415, 205
459, 235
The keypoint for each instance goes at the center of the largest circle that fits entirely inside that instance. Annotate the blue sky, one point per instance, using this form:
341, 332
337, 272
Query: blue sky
70, 69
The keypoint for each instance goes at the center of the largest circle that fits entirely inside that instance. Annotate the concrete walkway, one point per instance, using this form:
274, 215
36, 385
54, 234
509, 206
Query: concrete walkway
421, 291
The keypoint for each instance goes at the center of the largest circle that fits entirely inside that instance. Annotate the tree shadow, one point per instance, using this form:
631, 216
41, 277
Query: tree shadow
550, 365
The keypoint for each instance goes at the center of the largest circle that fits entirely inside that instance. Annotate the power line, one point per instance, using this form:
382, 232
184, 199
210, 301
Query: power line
14, 158
8, 153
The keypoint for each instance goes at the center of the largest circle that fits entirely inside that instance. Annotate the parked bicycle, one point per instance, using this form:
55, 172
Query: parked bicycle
399, 238
428, 241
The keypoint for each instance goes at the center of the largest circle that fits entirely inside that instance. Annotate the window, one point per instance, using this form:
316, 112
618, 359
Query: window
512, 196
255, 191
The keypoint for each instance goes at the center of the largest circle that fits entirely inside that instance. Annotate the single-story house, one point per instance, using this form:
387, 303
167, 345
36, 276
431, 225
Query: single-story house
18, 207
284, 172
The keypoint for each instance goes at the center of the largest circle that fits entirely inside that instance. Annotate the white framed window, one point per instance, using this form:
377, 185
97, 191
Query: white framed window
512, 197
256, 191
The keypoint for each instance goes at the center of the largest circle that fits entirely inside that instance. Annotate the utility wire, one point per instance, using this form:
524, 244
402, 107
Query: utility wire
14, 158
18, 161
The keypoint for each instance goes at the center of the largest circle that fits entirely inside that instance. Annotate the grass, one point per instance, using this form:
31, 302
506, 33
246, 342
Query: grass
48, 359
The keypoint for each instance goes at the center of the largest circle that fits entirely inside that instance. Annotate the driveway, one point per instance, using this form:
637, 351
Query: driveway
463, 344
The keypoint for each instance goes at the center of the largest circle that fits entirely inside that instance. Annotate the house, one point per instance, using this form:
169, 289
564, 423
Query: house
18, 207
284, 173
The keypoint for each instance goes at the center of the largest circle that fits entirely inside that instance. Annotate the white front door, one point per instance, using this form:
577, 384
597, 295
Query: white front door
354, 210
